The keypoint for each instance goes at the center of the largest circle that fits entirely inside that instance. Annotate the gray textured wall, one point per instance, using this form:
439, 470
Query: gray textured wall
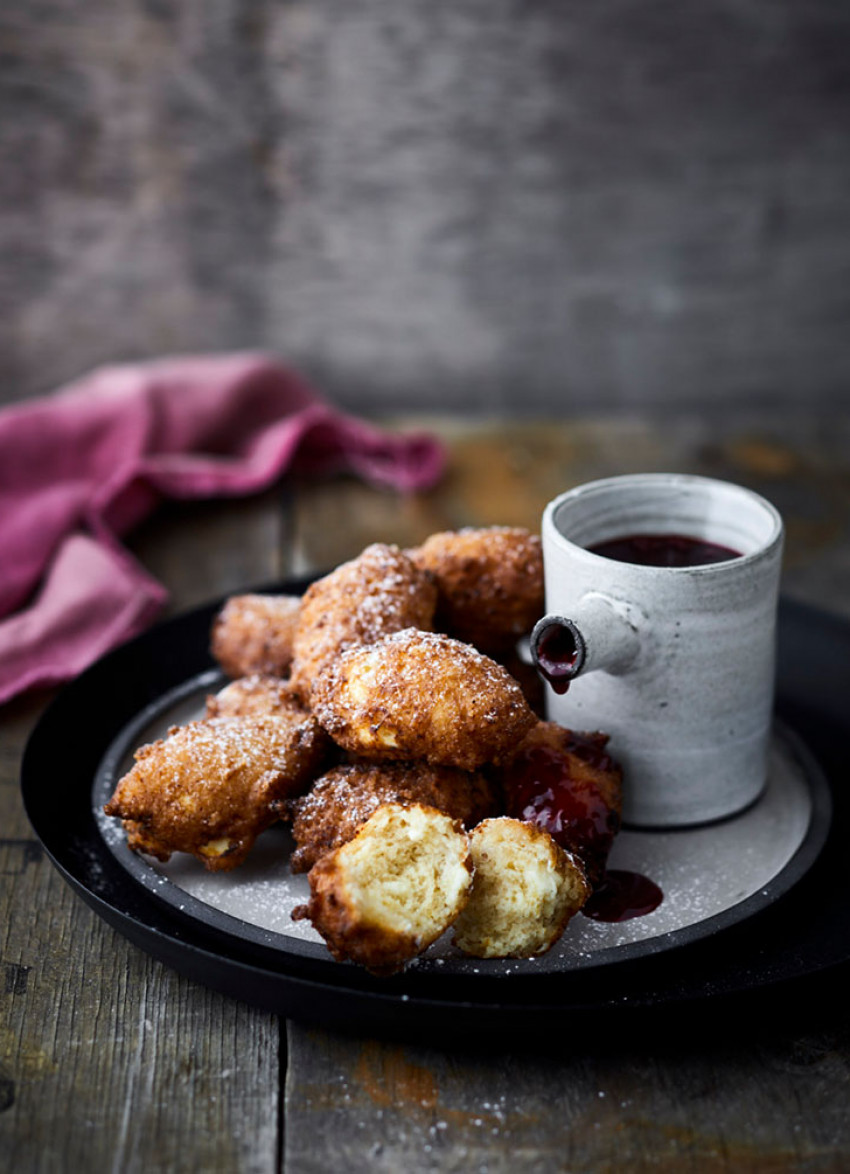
460, 203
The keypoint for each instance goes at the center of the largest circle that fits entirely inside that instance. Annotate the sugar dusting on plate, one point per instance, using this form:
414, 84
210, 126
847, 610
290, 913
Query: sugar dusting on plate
702, 872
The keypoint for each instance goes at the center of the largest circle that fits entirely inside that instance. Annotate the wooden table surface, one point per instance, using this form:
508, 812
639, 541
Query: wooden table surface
111, 1061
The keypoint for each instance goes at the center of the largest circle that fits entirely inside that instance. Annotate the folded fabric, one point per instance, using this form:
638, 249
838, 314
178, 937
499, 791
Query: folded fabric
80, 468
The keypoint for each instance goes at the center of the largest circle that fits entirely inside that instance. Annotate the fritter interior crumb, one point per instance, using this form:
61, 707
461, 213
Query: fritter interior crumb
386, 895
341, 801
526, 889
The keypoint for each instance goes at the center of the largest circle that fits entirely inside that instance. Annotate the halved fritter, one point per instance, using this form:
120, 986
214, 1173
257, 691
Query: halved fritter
525, 891
386, 895
342, 799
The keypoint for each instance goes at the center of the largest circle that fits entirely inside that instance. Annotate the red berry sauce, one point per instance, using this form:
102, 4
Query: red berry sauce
556, 656
541, 790
664, 550
623, 895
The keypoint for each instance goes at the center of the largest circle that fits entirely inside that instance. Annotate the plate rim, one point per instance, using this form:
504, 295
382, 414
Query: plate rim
185, 904
169, 938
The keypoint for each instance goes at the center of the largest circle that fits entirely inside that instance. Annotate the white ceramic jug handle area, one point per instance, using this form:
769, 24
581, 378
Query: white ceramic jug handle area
601, 633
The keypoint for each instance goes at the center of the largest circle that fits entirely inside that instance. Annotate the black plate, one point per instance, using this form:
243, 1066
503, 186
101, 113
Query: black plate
699, 856
803, 933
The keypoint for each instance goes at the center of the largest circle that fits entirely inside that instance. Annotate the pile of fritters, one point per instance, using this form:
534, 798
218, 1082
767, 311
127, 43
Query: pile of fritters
379, 714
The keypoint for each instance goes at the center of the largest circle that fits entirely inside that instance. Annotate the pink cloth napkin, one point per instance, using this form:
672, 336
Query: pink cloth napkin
79, 468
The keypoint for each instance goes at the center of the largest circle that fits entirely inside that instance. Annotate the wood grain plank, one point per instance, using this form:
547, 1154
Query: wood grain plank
204, 549
108, 1060
751, 1105
504, 473
334, 519
558, 204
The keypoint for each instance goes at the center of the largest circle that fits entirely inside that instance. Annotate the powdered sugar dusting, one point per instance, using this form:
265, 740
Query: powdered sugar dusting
379, 592
422, 695
262, 892
702, 872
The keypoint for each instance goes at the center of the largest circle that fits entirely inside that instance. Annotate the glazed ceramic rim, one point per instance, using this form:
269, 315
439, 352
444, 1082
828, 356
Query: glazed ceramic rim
591, 491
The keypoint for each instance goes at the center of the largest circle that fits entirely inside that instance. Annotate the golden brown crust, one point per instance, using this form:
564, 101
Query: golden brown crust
387, 894
525, 891
421, 695
490, 583
341, 801
255, 695
255, 633
380, 592
212, 786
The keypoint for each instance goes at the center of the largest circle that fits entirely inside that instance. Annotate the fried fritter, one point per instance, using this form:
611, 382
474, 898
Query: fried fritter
341, 801
379, 592
387, 894
526, 889
568, 784
490, 583
254, 634
212, 786
255, 695
421, 695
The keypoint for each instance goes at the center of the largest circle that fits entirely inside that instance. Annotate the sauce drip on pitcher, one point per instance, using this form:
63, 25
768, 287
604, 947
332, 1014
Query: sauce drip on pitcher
557, 653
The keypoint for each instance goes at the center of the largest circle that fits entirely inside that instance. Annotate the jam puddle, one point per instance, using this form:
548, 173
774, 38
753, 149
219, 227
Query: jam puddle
623, 895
